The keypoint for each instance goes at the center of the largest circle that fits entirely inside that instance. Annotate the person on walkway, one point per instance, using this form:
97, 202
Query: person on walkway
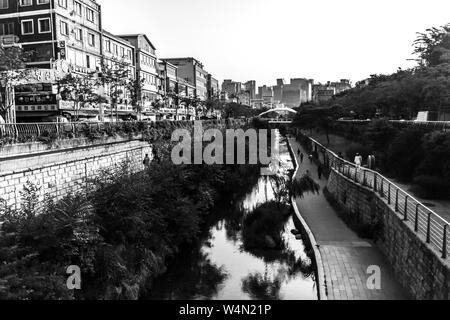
302, 156
358, 161
308, 173
319, 172
146, 161
371, 162
311, 157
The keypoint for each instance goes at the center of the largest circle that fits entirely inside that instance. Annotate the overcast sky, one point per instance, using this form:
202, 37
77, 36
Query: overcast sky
269, 39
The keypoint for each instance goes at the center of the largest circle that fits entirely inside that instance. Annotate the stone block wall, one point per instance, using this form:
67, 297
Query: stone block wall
417, 265
60, 172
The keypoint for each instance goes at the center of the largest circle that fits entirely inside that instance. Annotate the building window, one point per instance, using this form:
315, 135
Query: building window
43, 1
64, 28
4, 4
107, 45
6, 29
62, 3
79, 34
27, 27
26, 3
90, 14
44, 25
116, 49
88, 62
78, 8
91, 38
129, 54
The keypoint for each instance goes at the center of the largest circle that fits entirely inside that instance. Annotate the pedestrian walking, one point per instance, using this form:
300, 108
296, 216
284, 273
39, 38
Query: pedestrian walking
358, 160
308, 173
301, 157
146, 161
319, 172
371, 162
311, 158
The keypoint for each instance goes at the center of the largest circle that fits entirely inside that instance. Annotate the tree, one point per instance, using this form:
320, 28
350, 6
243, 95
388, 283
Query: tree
193, 102
433, 46
320, 118
117, 77
81, 89
12, 70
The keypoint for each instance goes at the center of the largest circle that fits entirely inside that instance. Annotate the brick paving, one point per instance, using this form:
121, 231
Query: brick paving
346, 257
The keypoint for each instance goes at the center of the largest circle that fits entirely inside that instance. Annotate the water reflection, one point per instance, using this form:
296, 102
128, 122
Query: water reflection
218, 267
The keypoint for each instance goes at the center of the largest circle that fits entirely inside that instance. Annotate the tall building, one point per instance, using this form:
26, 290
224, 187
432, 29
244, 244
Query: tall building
51, 30
213, 87
293, 94
325, 92
278, 91
146, 69
232, 88
118, 51
192, 71
265, 94
250, 87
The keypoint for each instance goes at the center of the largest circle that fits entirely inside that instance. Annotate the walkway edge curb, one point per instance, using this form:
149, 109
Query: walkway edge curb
321, 281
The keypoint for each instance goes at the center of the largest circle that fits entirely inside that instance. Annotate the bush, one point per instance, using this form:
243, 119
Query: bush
263, 223
431, 187
405, 154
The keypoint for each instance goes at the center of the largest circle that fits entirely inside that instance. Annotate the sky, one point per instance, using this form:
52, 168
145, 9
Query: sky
264, 40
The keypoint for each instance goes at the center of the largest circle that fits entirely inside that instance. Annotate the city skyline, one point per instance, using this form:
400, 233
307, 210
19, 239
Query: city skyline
356, 34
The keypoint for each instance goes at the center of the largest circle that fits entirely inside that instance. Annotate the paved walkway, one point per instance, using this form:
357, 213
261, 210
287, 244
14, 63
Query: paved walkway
346, 256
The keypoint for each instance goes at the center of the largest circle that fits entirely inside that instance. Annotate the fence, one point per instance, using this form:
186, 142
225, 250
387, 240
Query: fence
437, 125
424, 220
24, 132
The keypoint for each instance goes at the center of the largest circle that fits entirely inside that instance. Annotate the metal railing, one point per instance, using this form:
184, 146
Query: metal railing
25, 132
425, 222
440, 125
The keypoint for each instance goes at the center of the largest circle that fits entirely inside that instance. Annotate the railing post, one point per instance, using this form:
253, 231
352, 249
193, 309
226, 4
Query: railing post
38, 130
405, 218
416, 223
389, 194
444, 243
429, 228
396, 201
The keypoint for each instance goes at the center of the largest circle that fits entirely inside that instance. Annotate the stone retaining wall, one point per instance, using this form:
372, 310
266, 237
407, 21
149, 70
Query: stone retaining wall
418, 267
59, 172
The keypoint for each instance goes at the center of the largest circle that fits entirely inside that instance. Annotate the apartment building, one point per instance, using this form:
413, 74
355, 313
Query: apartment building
250, 87
168, 75
325, 92
51, 30
192, 71
213, 87
119, 53
146, 69
292, 94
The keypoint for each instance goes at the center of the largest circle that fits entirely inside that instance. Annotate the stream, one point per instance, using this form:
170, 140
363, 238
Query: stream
218, 267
